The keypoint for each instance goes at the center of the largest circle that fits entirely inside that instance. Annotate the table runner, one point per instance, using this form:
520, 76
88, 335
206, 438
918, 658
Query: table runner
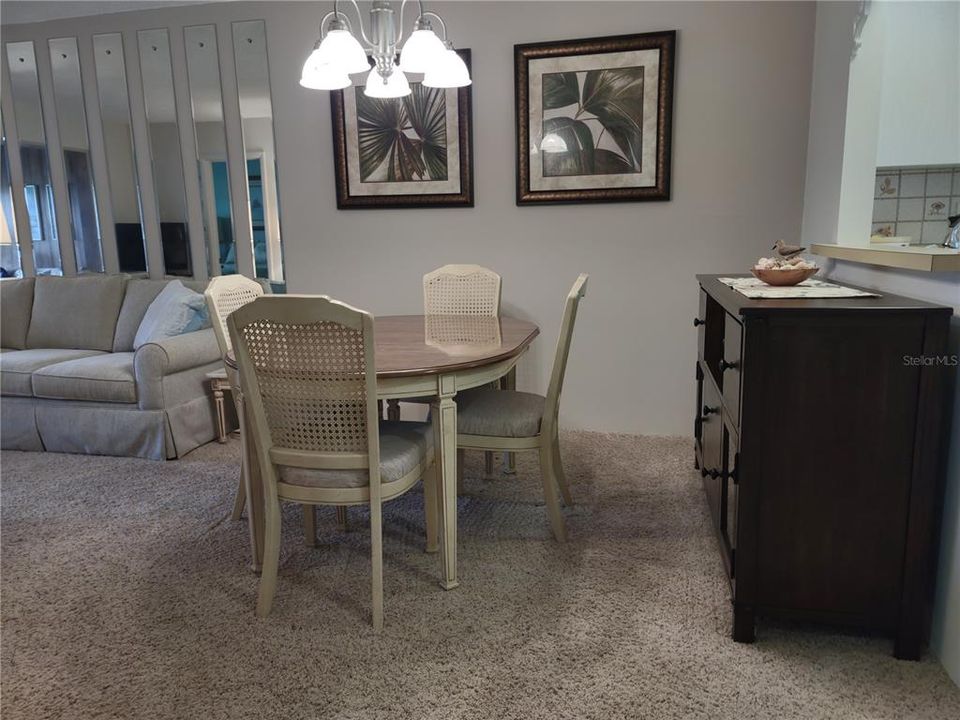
757, 289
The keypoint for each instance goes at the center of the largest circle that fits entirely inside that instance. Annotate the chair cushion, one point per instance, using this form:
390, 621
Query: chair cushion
101, 378
140, 293
174, 311
403, 446
499, 413
16, 302
17, 367
75, 312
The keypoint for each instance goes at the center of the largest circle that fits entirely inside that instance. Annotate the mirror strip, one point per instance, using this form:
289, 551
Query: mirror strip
58, 179
21, 216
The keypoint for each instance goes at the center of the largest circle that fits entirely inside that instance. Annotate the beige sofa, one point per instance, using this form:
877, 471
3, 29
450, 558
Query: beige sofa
71, 381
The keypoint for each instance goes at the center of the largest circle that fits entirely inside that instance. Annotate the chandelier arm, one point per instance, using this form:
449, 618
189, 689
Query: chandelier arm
403, 5
340, 14
443, 25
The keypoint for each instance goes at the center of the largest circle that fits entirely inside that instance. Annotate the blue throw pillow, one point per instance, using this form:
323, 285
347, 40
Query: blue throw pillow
176, 310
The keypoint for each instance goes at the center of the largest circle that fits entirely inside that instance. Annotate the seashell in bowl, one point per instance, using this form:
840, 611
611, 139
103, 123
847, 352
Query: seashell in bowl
784, 277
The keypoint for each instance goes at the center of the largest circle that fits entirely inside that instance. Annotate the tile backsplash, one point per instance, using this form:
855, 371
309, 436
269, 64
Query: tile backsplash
915, 202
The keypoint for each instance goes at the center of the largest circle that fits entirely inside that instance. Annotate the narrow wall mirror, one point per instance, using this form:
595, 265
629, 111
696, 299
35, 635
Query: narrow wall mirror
206, 102
9, 249
75, 144
118, 147
256, 112
166, 159
37, 190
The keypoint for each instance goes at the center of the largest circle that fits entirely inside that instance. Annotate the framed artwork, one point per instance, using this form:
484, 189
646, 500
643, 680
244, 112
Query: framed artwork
415, 151
594, 119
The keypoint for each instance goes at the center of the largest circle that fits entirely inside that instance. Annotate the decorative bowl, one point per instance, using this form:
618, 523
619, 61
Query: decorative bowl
784, 277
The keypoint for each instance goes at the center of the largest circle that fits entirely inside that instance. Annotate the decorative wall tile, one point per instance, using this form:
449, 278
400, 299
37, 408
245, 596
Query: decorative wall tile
915, 202
884, 210
887, 185
911, 230
938, 183
912, 184
910, 209
936, 208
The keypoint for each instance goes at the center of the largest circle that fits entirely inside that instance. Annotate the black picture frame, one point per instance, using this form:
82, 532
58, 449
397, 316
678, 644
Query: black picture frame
463, 198
665, 43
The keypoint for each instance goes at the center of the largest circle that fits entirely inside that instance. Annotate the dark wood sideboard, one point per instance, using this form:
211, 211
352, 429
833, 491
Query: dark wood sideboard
821, 436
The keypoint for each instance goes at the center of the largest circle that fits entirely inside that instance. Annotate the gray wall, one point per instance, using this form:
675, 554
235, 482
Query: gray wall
827, 122
740, 133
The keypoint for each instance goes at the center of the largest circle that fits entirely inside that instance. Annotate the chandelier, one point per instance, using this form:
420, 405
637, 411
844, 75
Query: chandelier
338, 53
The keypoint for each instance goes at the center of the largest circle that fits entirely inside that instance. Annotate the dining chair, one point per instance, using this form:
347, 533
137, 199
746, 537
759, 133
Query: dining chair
307, 373
224, 294
508, 420
471, 290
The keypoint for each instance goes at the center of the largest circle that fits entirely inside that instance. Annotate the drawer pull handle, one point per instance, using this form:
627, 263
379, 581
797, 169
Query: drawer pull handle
714, 474
697, 322
710, 410
724, 365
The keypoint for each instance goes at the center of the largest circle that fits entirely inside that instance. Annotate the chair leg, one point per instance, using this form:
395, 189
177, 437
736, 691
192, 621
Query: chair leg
559, 474
549, 480
241, 498
488, 464
431, 508
271, 558
310, 525
342, 518
461, 456
376, 550
393, 409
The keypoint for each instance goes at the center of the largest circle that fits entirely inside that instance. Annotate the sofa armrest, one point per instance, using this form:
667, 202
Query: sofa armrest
156, 360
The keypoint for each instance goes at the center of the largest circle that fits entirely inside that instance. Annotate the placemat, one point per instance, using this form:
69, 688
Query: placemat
757, 289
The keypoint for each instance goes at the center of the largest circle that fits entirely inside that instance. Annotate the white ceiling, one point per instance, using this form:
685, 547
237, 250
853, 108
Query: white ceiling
16, 12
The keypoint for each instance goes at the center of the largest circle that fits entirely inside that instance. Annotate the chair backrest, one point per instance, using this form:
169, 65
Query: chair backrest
307, 371
552, 406
461, 290
224, 294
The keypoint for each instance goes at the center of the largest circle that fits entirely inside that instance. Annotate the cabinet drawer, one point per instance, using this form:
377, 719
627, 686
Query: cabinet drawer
730, 499
730, 366
711, 434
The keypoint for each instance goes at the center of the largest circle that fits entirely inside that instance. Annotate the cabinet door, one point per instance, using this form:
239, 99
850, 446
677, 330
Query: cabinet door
728, 525
729, 366
711, 430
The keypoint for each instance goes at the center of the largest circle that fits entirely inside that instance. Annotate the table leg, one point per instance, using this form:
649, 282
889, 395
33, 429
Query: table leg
254, 482
509, 458
444, 414
217, 391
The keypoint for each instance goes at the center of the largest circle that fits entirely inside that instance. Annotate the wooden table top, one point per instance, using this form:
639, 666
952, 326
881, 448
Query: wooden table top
410, 345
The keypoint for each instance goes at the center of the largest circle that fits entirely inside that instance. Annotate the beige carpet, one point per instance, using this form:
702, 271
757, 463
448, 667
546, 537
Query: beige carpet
122, 597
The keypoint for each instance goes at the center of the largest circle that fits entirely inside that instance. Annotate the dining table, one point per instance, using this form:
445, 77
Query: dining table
417, 356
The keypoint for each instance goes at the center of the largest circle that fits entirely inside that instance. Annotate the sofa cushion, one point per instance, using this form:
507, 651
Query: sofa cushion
140, 293
16, 302
78, 312
100, 378
17, 367
175, 311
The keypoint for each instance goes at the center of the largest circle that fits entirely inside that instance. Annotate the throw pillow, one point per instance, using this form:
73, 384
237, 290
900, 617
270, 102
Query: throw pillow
171, 313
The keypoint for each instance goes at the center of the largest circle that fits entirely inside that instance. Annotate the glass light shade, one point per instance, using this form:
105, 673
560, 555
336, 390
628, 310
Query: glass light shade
421, 50
395, 86
553, 143
447, 71
341, 50
323, 77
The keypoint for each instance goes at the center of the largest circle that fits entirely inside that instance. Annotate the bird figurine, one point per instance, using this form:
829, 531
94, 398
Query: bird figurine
787, 251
